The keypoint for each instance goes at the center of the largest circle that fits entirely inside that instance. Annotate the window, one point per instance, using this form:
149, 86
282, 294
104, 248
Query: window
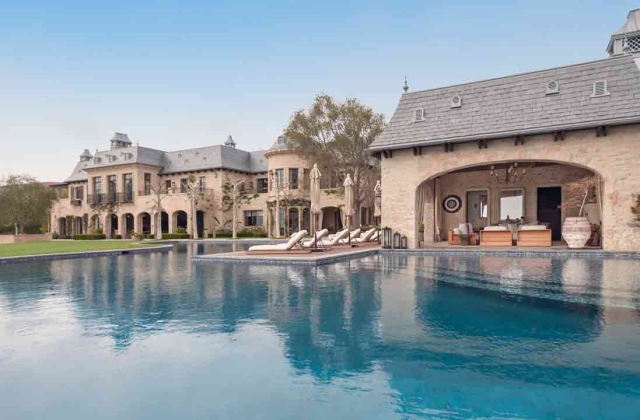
202, 183
280, 177
147, 184
270, 180
511, 204
418, 115
167, 185
111, 188
263, 185
63, 192
79, 193
127, 182
293, 178
97, 185
306, 181
184, 183
253, 218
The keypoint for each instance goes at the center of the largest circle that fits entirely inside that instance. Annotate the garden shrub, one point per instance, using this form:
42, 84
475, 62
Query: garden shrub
180, 229
89, 237
149, 236
176, 236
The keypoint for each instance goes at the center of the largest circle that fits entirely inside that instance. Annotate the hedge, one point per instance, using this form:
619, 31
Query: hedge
175, 236
91, 237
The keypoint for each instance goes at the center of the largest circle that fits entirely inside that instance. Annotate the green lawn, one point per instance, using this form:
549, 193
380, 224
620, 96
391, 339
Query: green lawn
55, 247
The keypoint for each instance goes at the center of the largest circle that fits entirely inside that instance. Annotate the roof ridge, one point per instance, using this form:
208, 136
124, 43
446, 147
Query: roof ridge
515, 75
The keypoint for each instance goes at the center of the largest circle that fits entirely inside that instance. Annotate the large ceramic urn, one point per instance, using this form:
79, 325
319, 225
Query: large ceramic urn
576, 231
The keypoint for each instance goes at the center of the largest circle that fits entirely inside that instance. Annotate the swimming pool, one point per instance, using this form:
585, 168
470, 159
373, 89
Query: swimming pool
156, 336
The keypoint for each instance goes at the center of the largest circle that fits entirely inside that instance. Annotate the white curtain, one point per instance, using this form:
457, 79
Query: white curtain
438, 212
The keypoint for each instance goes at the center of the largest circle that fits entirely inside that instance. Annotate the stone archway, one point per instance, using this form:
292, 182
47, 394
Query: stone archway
488, 182
164, 222
331, 219
128, 225
62, 226
180, 221
144, 221
111, 225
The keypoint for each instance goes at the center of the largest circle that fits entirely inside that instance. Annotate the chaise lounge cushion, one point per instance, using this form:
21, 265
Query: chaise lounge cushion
281, 247
533, 227
495, 228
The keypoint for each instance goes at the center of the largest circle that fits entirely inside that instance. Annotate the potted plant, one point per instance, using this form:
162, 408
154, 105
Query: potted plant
137, 236
576, 231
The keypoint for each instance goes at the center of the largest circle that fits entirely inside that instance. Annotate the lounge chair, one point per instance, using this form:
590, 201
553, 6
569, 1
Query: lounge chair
374, 237
315, 239
336, 238
366, 237
295, 240
354, 235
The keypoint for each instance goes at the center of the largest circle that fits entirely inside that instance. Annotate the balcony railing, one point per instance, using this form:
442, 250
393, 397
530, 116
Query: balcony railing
125, 197
76, 202
101, 199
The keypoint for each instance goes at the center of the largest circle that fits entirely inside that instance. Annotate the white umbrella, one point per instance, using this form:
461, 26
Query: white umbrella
315, 176
348, 202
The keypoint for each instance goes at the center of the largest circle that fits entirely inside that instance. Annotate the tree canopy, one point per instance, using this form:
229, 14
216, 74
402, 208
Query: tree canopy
24, 201
335, 136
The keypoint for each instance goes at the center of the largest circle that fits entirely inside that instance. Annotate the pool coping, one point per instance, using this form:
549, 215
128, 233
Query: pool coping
529, 252
84, 254
312, 260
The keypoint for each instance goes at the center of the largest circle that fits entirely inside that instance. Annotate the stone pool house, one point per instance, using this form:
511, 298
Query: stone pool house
113, 190
505, 148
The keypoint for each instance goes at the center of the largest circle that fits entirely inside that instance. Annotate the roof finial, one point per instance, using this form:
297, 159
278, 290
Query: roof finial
406, 85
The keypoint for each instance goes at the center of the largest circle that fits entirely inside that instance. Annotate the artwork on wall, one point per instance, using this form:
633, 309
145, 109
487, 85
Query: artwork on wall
452, 204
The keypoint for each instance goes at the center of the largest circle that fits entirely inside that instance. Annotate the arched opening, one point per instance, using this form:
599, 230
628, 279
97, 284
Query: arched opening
294, 219
180, 220
144, 221
62, 226
128, 224
306, 219
331, 219
164, 222
200, 223
112, 225
515, 195
94, 223
77, 226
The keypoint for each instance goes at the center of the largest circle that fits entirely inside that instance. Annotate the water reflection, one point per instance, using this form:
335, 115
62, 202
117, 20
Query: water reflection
432, 324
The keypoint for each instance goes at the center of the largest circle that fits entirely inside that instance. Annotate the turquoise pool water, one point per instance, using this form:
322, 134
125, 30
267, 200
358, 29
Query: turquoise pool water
385, 337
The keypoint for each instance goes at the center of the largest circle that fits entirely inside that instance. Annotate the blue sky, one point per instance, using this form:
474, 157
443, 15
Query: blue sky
179, 74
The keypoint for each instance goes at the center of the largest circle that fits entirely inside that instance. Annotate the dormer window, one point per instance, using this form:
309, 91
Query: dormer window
418, 115
600, 89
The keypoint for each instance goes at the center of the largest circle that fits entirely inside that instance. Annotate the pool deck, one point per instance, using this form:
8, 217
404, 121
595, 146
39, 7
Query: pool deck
313, 259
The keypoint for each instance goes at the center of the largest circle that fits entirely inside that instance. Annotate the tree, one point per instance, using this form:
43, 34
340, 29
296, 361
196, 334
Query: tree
578, 191
24, 201
158, 193
336, 137
193, 194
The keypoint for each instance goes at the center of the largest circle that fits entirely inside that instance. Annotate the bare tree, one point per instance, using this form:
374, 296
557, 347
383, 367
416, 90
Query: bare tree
158, 192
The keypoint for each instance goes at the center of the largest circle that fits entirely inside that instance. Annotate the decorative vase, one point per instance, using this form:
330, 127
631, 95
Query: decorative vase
576, 231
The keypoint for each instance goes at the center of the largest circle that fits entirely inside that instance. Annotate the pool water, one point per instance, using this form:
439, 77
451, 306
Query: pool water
158, 336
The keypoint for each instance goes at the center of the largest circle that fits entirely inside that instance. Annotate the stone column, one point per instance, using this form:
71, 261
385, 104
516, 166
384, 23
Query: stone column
173, 220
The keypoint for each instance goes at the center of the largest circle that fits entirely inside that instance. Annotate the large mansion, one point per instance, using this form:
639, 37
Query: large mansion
116, 191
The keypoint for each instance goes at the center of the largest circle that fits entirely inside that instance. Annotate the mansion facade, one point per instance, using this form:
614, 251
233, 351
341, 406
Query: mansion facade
117, 190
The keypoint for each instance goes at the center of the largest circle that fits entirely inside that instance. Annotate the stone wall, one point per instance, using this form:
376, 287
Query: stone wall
20, 239
614, 157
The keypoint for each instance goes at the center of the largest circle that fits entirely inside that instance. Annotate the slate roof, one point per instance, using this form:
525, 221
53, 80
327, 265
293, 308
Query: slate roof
212, 157
514, 105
